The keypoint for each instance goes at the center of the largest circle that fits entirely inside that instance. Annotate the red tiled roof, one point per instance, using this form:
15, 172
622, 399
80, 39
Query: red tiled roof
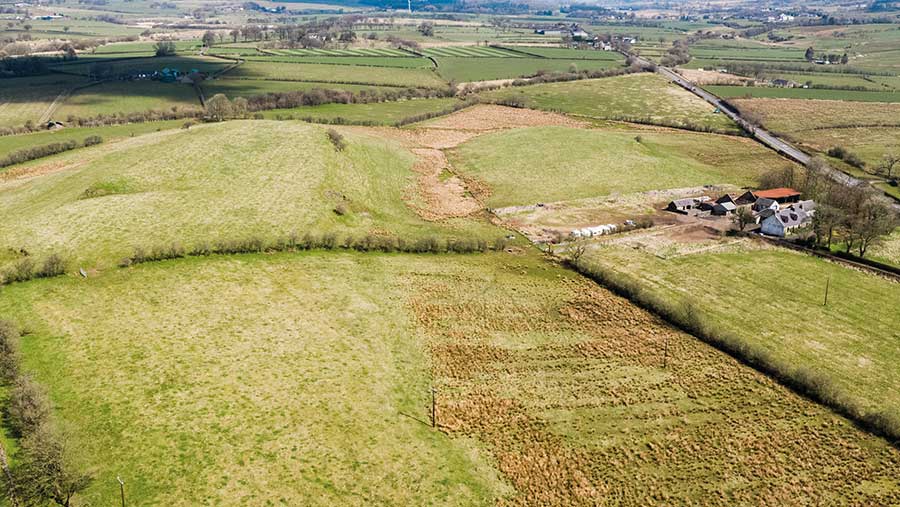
776, 193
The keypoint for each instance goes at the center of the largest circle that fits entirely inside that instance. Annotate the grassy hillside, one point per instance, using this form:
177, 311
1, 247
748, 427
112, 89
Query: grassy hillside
553, 163
773, 299
215, 181
287, 379
646, 96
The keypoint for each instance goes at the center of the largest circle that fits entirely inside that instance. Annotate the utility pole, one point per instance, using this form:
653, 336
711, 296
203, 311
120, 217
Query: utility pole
666, 352
827, 284
121, 489
409, 6
433, 410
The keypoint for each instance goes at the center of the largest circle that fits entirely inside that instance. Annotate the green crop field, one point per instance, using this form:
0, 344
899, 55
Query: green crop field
144, 47
550, 164
646, 96
305, 378
470, 52
337, 74
868, 129
353, 52
801, 93
126, 97
382, 113
568, 53
265, 178
481, 69
755, 293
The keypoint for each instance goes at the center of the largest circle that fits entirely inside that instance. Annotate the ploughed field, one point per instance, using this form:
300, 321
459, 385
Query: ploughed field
305, 378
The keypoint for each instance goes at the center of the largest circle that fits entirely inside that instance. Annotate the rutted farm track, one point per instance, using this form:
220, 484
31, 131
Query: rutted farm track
440, 192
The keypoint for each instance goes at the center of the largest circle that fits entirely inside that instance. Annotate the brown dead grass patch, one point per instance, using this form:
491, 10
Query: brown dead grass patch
708, 77
487, 117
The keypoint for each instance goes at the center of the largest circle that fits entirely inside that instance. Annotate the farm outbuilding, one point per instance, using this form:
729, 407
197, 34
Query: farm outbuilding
779, 195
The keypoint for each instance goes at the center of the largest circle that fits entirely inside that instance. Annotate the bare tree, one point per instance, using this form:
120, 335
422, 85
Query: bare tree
743, 217
874, 221
219, 107
888, 163
576, 251
49, 470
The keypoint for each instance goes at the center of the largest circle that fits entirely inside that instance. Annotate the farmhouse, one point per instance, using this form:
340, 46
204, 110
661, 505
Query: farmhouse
782, 223
779, 195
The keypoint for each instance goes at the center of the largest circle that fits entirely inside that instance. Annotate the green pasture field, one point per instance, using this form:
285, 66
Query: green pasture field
482, 69
126, 97
147, 47
773, 298
384, 76
363, 61
234, 51
248, 87
27, 98
382, 113
548, 164
722, 50
802, 93
568, 53
831, 79
642, 95
469, 52
229, 170
305, 379
78, 28
11, 143
151, 64
357, 52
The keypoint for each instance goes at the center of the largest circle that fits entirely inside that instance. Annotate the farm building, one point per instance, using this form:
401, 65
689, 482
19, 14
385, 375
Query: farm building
809, 206
764, 203
779, 195
687, 205
746, 198
724, 208
782, 223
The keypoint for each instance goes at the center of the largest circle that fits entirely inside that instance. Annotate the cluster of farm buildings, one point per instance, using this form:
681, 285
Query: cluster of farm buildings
778, 211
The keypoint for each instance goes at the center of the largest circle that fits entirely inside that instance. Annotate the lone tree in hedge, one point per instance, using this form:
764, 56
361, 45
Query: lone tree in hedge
209, 39
219, 107
165, 48
742, 217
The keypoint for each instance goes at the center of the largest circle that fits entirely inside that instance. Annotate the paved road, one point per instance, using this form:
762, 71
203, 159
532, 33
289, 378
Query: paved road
762, 135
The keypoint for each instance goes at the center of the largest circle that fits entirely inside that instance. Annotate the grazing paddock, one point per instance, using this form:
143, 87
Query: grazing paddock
229, 170
364, 61
646, 96
379, 113
28, 98
466, 69
248, 87
868, 129
127, 97
305, 379
384, 76
549, 164
773, 299
728, 92
153, 64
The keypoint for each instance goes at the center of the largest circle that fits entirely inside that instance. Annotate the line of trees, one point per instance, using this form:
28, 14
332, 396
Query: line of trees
28, 269
852, 217
295, 242
47, 468
36, 152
